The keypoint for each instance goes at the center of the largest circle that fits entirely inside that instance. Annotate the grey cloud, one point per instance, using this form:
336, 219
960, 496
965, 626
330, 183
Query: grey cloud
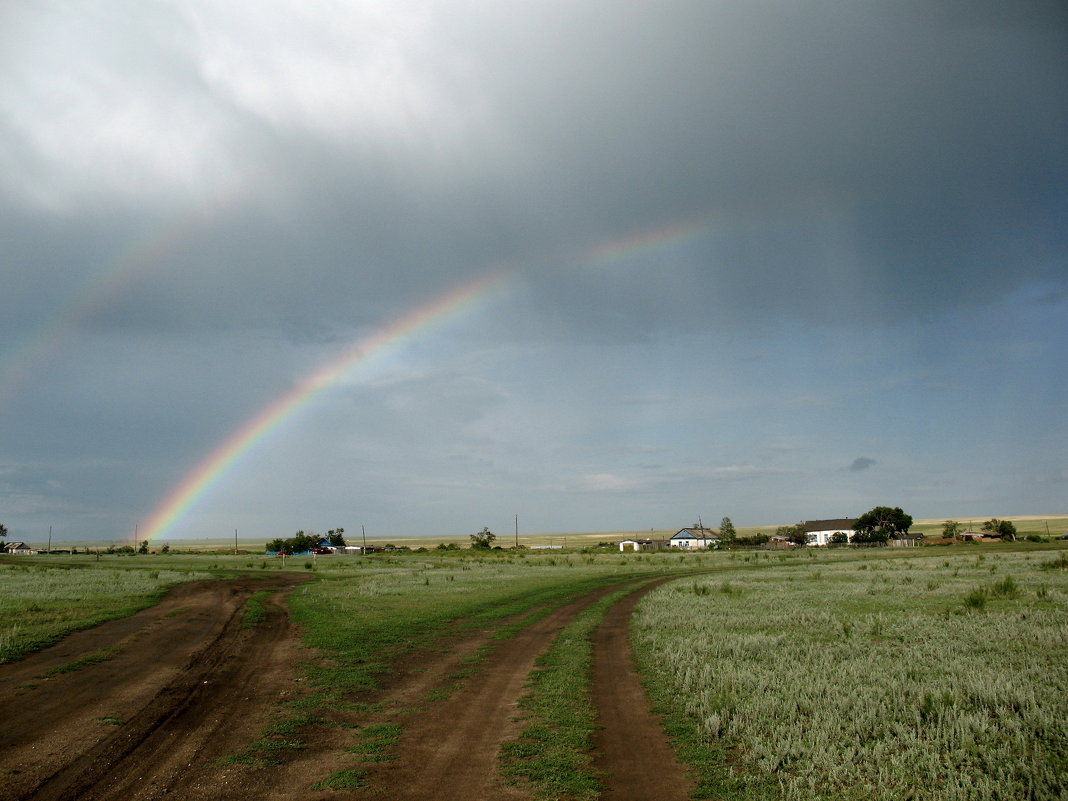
861, 163
307, 178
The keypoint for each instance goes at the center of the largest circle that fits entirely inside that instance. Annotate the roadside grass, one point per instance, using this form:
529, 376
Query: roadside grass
43, 603
931, 675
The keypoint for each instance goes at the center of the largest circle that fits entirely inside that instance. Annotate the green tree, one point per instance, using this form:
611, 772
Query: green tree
3, 533
951, 529
795, 533
143, 547
483, 539
301, 542
336, 537
727, 532
298, 543
1003, 528
839, 538
880, 524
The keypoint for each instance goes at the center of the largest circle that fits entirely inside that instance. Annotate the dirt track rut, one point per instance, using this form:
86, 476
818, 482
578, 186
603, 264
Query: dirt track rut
184, 684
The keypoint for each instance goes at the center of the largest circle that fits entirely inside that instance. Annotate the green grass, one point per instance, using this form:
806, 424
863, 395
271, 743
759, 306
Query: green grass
364, 621
374, 741
803, 675
43, 602
255, 609
352, 779
925, 676
94, 658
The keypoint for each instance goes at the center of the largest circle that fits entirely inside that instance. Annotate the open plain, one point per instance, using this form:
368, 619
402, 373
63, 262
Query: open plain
810, 674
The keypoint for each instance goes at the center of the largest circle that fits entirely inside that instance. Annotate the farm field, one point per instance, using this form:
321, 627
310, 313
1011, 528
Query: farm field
1047, 527
938, 676
867, 674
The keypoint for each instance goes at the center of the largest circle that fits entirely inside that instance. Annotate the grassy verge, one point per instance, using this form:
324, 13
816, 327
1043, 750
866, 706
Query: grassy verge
43, 603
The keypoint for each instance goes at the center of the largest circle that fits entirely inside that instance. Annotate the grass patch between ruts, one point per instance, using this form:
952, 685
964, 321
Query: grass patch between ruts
553, 752
255, 609
93, 658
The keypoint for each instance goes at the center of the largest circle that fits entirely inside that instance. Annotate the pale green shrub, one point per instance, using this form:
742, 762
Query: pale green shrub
831, 692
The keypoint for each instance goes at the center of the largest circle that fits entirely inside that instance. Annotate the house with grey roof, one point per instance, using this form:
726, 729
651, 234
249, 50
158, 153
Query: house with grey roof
819, 532
692, 538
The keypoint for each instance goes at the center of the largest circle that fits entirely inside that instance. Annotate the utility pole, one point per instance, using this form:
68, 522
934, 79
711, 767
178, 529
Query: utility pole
363, 529
517, 531
50, 538
235, 542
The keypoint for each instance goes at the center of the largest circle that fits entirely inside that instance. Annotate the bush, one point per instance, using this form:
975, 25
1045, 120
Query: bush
1060, 563
1006, 588
976, 599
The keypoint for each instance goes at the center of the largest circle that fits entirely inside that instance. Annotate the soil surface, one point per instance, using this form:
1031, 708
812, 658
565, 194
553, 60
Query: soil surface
173, 693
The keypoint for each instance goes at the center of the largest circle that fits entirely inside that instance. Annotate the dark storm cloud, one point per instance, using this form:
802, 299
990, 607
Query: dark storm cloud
898, 156
213, 203
863, 161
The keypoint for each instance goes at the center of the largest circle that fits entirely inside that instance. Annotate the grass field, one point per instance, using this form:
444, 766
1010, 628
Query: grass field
41, 602
936, 675
922, 673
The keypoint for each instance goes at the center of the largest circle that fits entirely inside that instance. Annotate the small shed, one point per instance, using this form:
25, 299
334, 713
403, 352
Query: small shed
907, 540
19, 549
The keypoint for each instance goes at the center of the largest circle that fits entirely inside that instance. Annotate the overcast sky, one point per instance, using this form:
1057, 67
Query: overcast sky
767, 260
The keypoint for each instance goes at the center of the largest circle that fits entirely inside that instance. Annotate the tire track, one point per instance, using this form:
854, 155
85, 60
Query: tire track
450, 752
179, 685
631, 751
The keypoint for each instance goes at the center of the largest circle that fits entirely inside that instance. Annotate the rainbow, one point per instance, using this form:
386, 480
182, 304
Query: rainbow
211, 469
614, 250
146, 251
208, 472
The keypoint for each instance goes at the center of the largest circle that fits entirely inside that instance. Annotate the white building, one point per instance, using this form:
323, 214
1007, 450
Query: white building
691, 538
819, 532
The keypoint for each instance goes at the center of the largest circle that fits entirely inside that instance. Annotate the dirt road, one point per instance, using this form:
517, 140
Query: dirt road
181, 686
